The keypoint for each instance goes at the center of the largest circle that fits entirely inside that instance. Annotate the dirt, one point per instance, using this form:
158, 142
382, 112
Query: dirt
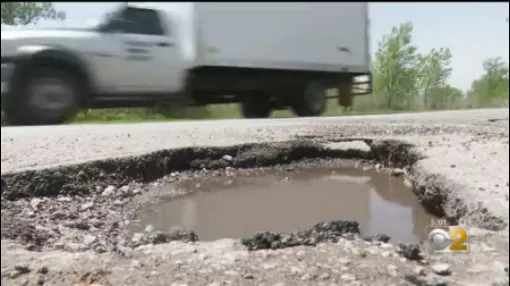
67, 225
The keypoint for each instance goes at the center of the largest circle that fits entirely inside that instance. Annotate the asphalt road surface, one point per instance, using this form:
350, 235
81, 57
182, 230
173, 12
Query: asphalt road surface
44, 146
465, 155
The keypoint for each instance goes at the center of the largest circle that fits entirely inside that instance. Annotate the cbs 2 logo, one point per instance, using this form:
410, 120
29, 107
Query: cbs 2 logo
454, 239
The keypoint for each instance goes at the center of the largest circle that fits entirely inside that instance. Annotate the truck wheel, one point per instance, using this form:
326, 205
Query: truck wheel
312, 100
45, 96
256, 107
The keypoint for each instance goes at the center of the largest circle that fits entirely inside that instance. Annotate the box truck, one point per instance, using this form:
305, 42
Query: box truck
264, 56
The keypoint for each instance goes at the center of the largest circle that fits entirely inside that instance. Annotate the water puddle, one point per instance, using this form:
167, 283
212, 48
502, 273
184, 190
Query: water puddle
239, 207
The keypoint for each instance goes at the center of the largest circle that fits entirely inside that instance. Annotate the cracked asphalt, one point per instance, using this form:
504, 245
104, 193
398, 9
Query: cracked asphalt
464, 154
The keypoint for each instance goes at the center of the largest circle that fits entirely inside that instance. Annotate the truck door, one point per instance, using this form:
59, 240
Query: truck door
150, 52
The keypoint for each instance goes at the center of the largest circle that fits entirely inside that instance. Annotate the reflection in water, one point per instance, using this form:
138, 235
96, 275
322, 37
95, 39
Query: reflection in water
392, 191
242, 206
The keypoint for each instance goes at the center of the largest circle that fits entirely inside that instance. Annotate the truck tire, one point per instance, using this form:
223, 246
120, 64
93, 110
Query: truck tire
44, 96
256, 107
312, 100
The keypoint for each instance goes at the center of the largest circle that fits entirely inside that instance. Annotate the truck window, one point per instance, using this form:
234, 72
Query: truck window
146, 21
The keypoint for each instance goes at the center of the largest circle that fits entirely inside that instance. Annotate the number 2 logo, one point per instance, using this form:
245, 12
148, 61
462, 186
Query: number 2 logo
459, 238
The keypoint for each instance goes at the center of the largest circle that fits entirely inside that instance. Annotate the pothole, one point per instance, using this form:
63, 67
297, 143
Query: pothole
239, 207
66, 207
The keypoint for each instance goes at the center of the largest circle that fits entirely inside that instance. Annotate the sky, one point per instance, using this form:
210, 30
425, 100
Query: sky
472, 31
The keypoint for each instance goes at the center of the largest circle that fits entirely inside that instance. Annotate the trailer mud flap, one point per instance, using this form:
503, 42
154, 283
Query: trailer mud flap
349, 88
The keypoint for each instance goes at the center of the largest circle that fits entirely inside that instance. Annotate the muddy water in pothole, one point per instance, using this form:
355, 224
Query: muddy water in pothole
237, 207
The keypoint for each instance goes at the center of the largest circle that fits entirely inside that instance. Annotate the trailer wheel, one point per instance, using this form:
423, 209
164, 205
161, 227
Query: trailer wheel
256, 106
312, 101
44, 96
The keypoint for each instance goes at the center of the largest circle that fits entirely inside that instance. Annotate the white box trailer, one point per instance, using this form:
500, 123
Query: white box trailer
265, 56
291, 47
283, 35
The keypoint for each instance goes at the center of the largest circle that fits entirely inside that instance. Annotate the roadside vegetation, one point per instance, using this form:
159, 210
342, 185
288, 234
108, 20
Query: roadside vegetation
405, 79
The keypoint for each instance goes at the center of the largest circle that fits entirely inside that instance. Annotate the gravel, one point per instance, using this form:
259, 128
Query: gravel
320, 233
441, 269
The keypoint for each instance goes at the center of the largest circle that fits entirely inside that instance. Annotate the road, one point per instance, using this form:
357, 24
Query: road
474, 140
465, 158
456, 116
45, 146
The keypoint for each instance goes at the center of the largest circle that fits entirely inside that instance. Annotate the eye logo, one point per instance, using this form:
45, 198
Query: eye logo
452, 240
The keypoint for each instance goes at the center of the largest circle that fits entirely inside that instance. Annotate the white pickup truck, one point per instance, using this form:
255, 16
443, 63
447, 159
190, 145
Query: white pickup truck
263, 55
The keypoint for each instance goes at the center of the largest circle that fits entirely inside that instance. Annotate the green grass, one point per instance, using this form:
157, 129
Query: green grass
226, 111
362, 105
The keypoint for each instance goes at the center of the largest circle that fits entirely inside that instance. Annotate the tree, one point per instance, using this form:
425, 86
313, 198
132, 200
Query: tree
24, 13
434, 69
492, 85
395, 72
444, 96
